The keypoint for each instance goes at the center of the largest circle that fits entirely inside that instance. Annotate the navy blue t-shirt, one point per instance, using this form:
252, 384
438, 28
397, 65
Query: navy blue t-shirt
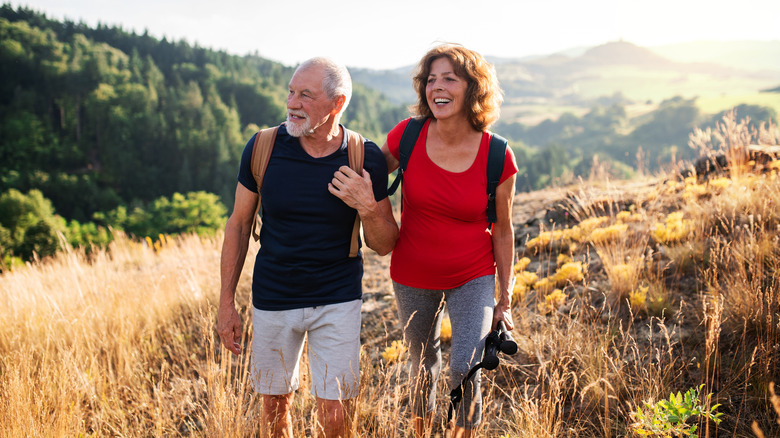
305, 239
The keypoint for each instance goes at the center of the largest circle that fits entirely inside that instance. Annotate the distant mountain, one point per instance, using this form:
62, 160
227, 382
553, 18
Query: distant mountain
581, 75
395, 85
745, 55
621, 53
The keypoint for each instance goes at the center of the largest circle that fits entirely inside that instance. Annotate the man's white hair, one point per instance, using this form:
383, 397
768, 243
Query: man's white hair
337, 81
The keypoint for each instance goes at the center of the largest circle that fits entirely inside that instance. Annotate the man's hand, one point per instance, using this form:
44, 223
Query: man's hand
355, 190
229, 327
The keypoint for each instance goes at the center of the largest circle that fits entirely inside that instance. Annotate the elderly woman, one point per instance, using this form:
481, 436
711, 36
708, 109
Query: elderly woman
447, 252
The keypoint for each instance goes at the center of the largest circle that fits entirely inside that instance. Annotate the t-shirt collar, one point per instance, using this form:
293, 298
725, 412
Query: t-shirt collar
344, 141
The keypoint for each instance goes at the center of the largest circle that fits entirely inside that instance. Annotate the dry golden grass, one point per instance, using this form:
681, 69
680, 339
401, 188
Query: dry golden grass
641, 304
113, 346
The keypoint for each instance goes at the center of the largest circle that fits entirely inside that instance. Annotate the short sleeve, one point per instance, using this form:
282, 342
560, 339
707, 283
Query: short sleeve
376, 166
394, 137
510, 165
245, 176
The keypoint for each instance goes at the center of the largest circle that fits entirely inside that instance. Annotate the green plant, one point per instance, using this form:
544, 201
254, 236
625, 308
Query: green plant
28, 225
668, 418
194, 212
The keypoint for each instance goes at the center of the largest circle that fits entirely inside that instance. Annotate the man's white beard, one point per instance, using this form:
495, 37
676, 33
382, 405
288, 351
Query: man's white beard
298, 129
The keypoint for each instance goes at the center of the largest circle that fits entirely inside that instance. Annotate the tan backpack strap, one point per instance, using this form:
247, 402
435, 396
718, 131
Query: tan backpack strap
261, 154
356, 153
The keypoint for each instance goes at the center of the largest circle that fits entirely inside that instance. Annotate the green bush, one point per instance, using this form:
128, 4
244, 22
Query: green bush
88, 235
196, 212
28, 225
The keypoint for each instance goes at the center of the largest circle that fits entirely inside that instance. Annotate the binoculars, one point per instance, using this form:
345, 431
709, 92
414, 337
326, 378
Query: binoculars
499, 340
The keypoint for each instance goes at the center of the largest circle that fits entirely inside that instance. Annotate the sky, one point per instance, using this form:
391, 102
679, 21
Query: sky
397, 33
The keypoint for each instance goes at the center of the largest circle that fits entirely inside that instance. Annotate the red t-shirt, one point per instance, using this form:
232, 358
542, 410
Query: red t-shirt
444, 241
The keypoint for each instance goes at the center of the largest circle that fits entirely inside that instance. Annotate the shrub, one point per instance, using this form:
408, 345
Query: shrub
552, 301
395, 352
196, 212
669, 417
675, 229
28, 225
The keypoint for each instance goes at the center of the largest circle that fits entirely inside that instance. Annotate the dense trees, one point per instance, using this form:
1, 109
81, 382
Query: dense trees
125, 117
97, 120
103, 127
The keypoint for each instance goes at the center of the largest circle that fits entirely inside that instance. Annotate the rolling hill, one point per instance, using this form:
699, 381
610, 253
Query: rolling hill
543, 86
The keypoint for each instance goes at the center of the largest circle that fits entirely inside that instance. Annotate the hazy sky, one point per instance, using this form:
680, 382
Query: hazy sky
395, 33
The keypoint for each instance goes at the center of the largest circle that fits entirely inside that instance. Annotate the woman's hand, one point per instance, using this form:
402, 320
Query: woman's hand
503, 312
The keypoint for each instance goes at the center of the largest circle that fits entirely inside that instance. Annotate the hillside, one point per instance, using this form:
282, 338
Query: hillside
97, 117
102, 129
745, 55
577, 78
637, 73
626, 292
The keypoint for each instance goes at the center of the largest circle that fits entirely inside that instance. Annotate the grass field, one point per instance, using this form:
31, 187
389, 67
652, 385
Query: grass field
656, 85
715, 91
716, 104
657, 287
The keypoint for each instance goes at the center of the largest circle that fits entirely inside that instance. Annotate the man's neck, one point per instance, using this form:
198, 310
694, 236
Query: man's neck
324, 141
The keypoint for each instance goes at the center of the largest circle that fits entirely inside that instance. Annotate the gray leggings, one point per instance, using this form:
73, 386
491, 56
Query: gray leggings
470, 308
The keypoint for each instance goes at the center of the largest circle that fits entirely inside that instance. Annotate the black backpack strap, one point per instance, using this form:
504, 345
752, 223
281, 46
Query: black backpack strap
408, 139
495, 167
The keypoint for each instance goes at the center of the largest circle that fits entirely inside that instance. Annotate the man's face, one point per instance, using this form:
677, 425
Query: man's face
308, 107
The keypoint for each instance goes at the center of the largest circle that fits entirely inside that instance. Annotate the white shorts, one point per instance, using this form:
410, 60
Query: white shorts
333, 347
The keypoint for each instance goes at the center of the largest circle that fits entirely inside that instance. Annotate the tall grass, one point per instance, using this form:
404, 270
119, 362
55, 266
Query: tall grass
112, 346
662, 289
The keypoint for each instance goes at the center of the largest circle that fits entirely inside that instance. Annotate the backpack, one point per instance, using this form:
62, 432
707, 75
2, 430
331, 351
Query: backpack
495, 163
261, 154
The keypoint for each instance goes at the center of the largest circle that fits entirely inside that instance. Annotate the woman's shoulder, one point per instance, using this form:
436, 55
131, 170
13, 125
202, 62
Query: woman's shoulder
394, 136
400, 126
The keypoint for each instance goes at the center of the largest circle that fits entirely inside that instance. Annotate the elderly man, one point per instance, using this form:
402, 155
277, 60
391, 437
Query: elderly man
305, 281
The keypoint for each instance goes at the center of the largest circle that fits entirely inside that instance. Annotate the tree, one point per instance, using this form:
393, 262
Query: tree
96, 118
28, 225
666, 130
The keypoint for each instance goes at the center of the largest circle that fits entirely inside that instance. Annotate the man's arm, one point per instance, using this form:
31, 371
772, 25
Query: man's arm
234, 250
379, 226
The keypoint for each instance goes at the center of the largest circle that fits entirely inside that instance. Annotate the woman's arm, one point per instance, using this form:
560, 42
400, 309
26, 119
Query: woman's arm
392, 163
504, 251
379, 226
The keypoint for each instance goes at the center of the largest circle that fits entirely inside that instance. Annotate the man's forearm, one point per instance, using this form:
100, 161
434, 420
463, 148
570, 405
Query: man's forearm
234, 249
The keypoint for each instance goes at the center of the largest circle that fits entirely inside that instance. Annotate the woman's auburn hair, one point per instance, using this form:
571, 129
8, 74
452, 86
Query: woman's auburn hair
483, 92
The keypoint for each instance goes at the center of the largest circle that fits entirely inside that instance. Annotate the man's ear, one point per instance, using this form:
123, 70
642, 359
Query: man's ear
339, 104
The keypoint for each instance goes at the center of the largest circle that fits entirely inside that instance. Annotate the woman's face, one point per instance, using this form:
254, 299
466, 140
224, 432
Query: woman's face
445, 91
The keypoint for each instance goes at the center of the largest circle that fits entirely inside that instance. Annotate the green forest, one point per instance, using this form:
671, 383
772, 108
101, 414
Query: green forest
104, 130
